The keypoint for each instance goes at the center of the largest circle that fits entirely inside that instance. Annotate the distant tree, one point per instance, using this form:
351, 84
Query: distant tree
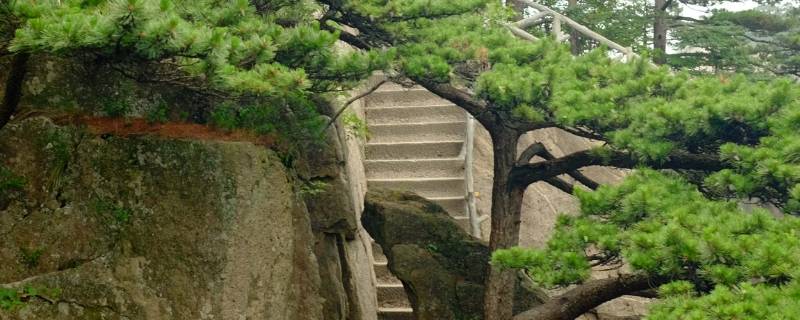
765, 40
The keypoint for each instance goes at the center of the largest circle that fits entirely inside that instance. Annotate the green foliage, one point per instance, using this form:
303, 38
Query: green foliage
159, 115
313, 188
9, 299
268, 54
746, 301
355, 125
116, 108
662, 226
57, 145
13, 298
9, 181
30, 257
119, 214
762, 41
225, 118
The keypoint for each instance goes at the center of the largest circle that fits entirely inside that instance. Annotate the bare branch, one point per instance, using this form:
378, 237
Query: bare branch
354, 99
530, 152
560, 184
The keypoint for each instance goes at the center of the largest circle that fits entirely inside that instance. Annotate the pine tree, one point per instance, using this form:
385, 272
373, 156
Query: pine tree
720, 140
762, 41
701, 145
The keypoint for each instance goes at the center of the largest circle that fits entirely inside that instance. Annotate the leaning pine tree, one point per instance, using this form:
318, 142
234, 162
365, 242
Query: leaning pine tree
702, 145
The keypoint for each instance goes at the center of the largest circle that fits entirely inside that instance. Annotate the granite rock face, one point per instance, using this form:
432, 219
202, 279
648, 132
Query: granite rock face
185, 211
145, 228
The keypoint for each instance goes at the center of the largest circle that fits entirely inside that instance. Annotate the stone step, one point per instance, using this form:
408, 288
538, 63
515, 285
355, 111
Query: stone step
377, 253
392, 296
383, 274
425, 187
414, 150
403, 97
414, 168
391, 86
395, 314
413, 132
455, 206
415, 114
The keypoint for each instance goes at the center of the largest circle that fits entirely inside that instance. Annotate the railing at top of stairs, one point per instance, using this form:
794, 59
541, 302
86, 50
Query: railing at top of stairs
544, 12
517, 28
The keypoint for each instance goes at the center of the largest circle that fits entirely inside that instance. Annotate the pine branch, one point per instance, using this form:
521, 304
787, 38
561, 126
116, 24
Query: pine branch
530, 152
561, 184
589, 295
530, 173
538, 149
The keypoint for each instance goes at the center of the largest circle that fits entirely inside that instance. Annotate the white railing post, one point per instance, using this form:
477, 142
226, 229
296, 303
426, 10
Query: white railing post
472, 212
556, 29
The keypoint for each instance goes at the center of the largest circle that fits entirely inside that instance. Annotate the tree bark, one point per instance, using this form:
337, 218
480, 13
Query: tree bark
589, 295
13, 90
506, 217
519, 9
527, 174
660, 32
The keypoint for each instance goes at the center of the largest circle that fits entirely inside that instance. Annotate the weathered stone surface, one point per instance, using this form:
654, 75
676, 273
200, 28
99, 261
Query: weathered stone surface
343, 247
143, 228
442, 268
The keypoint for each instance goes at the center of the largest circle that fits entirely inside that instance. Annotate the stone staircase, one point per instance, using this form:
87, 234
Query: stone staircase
416, 144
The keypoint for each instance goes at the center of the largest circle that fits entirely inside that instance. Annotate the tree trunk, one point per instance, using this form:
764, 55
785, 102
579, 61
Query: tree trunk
13, 90
574, 36
519, 8
506, 207
660, 32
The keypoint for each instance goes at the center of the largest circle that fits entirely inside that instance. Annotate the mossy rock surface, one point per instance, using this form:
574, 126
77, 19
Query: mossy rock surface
151, 228
442, 267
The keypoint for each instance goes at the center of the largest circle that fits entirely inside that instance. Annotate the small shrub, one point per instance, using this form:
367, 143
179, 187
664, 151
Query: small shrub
9, 181
116, 108
159, 114
355, 125
120, 214
30, 257
9, 299
225, 118
12, 298
313, 188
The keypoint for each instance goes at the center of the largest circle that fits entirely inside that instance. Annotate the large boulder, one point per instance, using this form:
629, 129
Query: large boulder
150, 228
442, 268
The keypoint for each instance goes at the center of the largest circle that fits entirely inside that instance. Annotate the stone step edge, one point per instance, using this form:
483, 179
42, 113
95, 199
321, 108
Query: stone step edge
382, 309
412, 106
414, 124
395, 310
413, 142
441, 179
455, 159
